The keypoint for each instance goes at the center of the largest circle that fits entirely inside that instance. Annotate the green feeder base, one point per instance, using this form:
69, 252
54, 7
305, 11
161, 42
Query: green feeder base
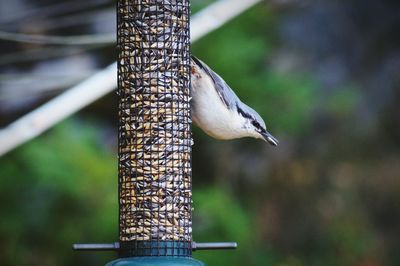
155, 261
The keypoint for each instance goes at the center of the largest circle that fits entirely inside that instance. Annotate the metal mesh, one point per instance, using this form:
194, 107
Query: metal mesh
154, 127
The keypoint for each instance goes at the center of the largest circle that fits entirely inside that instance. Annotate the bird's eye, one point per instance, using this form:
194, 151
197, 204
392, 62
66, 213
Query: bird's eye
255, 124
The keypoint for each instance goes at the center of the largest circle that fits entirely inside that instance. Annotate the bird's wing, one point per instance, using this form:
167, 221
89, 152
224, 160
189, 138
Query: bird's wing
226, 94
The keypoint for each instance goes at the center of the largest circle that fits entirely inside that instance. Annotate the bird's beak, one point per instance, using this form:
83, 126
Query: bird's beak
269, 138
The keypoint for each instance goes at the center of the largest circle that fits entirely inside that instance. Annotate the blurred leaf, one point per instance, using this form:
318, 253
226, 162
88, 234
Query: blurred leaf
343, 101
57, 190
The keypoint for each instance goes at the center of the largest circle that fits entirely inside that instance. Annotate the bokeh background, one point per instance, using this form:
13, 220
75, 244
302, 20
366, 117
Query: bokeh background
323, 74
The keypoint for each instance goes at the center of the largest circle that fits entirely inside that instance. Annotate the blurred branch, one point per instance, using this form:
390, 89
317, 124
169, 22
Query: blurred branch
52, 112
22, 86
51, 10
41, 53
106, 14
216, 15
90, 39
81, 95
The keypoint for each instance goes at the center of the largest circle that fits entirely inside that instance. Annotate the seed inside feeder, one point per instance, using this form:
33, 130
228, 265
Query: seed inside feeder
154, 112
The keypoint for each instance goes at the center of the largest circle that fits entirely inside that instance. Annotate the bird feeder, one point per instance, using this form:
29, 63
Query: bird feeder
155, 140
154, 136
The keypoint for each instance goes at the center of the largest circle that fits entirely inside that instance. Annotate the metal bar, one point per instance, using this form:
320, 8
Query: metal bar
213, 245
115, 246
96, 247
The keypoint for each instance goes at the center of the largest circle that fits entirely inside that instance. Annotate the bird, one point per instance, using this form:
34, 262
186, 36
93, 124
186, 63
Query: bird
219, 112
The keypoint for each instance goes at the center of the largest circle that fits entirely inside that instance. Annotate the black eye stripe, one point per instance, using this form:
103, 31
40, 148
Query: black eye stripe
244, 114
248, 116
256, 124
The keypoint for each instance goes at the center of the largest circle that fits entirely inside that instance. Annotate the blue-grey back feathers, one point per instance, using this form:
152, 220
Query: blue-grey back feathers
232, 102
228, 96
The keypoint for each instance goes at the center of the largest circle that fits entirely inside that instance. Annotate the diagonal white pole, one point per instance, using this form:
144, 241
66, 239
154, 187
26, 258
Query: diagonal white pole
39, 120
216, 15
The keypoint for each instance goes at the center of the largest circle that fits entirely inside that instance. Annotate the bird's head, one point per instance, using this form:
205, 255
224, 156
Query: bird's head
255, 125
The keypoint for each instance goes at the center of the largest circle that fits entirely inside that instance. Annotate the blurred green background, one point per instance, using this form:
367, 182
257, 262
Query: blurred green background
323, 74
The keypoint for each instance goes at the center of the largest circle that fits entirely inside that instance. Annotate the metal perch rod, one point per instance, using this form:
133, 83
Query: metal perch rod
115, 246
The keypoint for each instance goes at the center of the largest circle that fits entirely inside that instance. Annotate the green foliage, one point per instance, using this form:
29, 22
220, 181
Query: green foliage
343, 101
57, 190
219, 217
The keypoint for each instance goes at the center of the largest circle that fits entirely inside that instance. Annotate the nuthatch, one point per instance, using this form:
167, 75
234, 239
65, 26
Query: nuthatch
219, 112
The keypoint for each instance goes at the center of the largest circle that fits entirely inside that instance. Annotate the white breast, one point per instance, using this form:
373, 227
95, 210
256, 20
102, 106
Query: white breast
211, 114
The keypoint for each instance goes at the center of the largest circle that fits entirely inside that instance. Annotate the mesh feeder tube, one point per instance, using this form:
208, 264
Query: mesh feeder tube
155, 186
154, 137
